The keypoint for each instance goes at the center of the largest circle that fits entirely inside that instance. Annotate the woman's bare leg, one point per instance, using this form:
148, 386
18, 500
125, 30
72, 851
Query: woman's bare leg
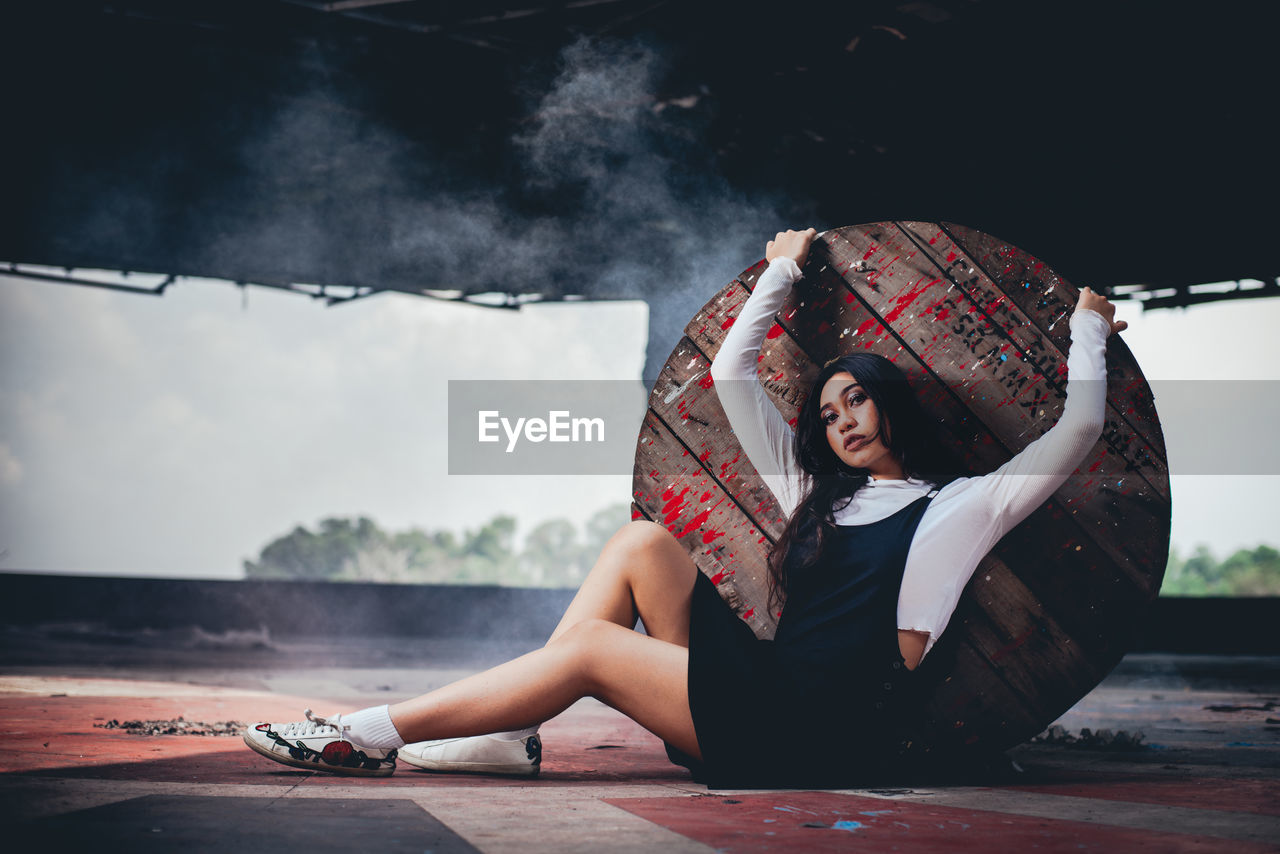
645, 678
642, 572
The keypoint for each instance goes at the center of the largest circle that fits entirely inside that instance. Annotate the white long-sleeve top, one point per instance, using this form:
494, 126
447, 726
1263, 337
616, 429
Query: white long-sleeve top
967, 516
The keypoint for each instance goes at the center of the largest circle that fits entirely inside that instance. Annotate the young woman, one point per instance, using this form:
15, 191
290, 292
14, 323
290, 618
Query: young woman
879, 537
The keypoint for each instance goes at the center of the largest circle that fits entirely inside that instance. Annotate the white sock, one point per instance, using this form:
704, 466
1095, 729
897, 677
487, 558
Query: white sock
372, 727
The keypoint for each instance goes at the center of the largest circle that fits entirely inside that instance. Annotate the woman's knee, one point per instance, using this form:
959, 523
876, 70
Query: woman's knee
646, 543
587, 648
643, 534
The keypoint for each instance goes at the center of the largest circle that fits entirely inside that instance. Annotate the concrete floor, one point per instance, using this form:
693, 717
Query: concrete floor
1207, 778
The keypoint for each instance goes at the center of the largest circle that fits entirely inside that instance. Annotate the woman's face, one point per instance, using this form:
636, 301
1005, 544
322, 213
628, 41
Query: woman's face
852, 424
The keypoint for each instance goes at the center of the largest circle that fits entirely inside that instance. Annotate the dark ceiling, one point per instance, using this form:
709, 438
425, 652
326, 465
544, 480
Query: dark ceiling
624, 148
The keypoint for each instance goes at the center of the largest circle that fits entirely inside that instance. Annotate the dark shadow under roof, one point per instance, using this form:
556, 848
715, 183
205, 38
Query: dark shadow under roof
593, 148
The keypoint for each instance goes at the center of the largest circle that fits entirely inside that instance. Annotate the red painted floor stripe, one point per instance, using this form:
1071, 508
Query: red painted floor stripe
56, 736
745, 824
1213, 793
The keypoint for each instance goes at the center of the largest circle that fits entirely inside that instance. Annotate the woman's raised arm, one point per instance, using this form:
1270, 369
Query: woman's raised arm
756, 422
1025, 482
949, 548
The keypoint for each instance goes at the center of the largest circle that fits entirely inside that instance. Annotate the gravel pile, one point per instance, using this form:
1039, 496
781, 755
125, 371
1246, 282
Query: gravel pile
1103, 739
180, 726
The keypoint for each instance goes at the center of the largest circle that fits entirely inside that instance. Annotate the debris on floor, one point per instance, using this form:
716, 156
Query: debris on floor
1266, 707
1103, 739
179, 726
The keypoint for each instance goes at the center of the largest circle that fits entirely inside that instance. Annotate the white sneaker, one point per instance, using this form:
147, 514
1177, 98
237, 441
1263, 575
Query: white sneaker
319, 744
483, 754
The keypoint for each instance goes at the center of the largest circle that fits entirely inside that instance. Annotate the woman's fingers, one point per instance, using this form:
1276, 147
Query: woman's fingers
790, 244
1093, 301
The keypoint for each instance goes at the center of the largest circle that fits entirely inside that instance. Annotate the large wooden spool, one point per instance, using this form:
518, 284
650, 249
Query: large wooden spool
981, 329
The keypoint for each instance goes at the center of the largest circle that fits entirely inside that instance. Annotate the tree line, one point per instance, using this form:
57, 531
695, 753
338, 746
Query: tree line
1247, 572
557, 554
554, 554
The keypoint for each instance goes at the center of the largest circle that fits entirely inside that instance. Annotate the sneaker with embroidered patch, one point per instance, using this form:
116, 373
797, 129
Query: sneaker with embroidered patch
481, 754
319, 744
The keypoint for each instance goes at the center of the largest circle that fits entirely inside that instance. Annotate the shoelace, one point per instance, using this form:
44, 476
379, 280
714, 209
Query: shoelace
315, 725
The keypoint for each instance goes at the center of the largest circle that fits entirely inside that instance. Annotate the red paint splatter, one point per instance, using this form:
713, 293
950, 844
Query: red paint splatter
728, 323
695, 523
674, 506
902, 302
774, 331
724, 467
748, 614
705, 496
705, 382
711, 535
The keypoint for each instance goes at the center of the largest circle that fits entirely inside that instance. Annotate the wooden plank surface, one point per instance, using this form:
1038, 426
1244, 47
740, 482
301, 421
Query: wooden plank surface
1043, 296
677, 490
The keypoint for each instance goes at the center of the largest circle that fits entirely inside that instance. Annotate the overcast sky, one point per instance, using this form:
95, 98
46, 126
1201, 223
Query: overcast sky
178, 435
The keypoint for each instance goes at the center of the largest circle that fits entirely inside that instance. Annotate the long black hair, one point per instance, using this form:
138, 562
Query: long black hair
831, 483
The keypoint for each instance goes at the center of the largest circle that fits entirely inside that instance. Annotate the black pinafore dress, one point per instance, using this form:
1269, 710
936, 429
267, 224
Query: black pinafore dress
824, 702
